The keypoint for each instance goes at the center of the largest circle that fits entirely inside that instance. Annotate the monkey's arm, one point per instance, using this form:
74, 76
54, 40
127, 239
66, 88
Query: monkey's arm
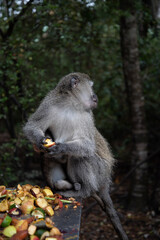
36, 126
79, 148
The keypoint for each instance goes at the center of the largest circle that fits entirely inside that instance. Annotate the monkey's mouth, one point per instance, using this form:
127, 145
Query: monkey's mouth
94, 105
94, 101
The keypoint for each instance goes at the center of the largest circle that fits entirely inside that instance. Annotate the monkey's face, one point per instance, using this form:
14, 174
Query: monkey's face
80, 90
85, 96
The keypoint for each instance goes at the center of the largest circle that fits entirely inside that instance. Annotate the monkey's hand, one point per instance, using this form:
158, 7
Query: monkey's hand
58, 148
41, 144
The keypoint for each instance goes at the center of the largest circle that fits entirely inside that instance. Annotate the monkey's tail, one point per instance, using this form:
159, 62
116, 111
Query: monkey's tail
104, 200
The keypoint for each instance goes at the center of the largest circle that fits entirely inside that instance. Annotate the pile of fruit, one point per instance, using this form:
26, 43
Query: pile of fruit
40, 203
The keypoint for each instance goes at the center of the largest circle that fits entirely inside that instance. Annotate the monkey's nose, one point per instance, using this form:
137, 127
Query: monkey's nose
94, 98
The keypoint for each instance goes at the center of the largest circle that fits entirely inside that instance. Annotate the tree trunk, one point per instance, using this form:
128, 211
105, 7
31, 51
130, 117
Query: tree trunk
131, 70
155, 9
155, 196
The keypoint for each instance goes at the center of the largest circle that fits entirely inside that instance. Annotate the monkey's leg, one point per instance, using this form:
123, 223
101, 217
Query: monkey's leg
74, 193
66, 185
63, 185
55, 174
77, 186
111, 212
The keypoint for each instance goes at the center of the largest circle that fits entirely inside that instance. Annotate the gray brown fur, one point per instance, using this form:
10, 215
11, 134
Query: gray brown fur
67, 113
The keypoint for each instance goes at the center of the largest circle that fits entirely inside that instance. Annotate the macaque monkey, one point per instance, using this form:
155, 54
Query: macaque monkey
80, 164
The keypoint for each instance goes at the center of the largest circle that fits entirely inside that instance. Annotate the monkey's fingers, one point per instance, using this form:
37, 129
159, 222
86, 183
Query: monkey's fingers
77, 186
51, 153
44, 140
37, 149
54, 150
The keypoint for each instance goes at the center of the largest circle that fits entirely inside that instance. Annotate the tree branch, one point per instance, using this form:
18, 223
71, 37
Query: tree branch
20, 108
7, 8
13, 21
2, 33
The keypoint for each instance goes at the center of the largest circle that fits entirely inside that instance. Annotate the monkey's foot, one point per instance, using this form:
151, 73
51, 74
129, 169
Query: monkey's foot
77, 186
63, 185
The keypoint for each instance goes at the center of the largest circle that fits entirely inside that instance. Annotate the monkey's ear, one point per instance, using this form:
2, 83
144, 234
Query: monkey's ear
74, 82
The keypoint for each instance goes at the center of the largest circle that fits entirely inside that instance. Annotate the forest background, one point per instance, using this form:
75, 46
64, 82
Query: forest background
118, 44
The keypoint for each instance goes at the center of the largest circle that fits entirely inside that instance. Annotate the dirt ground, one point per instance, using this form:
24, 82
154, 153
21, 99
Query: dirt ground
138, 225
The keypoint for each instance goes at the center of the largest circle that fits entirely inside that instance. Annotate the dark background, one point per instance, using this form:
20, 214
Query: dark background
118, 44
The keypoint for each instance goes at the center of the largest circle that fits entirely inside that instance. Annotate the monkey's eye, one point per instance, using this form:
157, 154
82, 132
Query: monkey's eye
74, 82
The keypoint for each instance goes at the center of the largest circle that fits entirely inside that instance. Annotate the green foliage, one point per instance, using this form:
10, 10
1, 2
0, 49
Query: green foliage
9, 164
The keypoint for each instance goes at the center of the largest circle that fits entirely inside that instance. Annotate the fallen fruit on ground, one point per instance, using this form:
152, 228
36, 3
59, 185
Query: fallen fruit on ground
47, 192
50, 238
44, 235
28, 199
55, 231
1, 220
32, 229
40, 232
49, 210
21, 225
15, 212
49, 223
35, 190
6, 221
41, 202
38, 213
9, 231
4, 205
20, 235
34, 237
27, 206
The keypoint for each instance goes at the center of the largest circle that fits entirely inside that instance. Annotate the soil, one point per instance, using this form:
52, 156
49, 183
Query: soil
95, 225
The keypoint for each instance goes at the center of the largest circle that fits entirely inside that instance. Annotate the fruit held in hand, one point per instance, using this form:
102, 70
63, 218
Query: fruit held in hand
48, 143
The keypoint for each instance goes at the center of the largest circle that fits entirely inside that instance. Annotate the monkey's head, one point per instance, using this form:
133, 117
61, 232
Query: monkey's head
78, 88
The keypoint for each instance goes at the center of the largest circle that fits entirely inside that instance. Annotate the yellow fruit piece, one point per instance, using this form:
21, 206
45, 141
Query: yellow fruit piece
36, 190
41, 202
44, 235
27, 206
4, 205
56, 207
47, 192
40, 195
9, 231
48, 143
55, 231
49, 210
17, 201
50, 238
32, 229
